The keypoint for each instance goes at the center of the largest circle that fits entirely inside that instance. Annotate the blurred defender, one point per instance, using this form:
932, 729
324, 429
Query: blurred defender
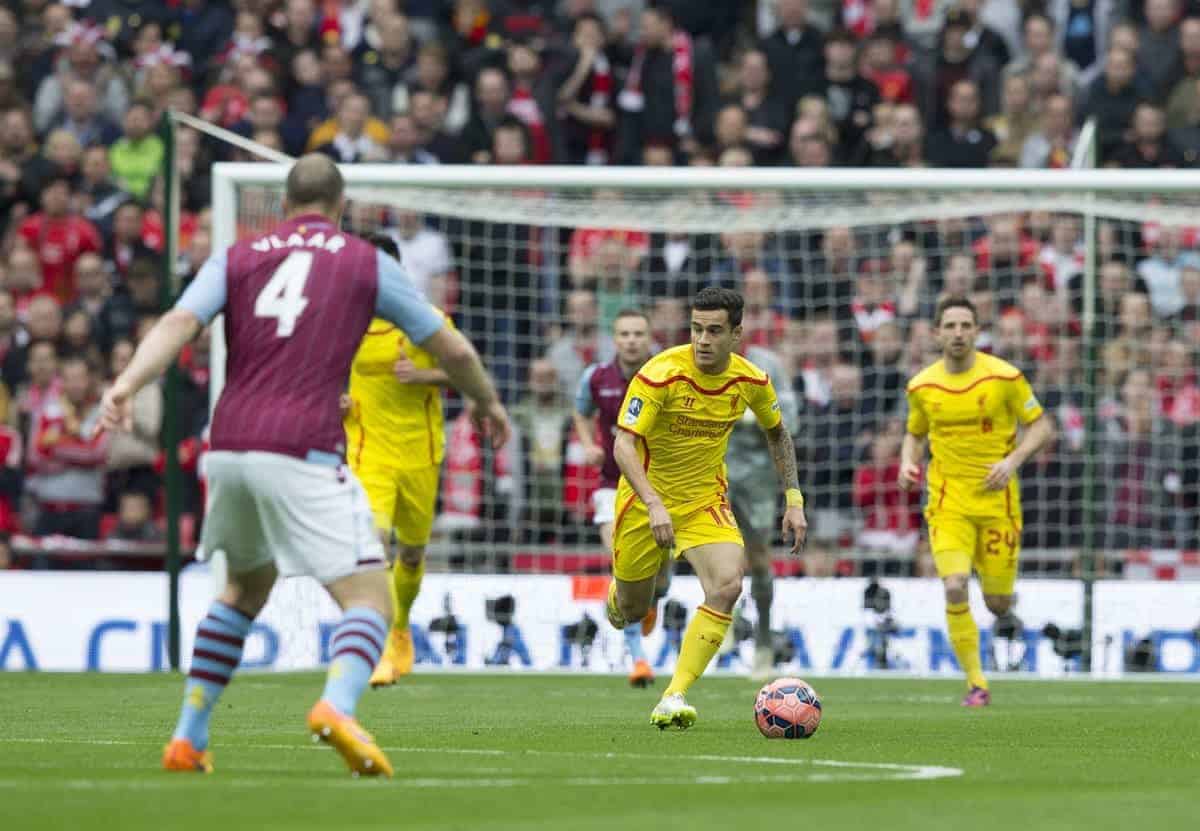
296, 302
754, 500
672, 498
968, 406
395, 440
597, 406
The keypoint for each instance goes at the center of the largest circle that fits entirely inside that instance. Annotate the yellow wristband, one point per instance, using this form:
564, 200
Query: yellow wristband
795, 499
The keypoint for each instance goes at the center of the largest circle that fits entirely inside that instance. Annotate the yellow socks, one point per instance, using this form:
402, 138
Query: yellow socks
406, 585
964, 637
700, 643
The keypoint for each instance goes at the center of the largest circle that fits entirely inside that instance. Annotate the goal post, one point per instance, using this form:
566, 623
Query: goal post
834, 262
172, 475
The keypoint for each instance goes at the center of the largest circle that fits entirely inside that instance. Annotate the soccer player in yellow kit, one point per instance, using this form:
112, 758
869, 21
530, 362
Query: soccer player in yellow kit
395, 441
671, 499
968, 406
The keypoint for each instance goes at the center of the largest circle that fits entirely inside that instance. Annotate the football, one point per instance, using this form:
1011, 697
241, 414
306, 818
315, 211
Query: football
787, 708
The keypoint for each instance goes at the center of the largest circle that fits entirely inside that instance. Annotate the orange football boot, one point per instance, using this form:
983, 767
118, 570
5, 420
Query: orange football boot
347, 737
181, 755
642, 675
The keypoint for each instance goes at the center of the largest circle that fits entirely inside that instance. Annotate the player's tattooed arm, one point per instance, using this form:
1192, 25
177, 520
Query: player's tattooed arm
783, 454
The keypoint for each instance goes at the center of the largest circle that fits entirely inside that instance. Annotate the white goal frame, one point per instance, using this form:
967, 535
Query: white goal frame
1130, 195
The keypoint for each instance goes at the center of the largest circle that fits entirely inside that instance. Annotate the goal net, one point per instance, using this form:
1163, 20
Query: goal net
1086, 281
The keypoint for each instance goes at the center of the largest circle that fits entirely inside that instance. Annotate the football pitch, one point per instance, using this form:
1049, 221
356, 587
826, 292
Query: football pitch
577, 752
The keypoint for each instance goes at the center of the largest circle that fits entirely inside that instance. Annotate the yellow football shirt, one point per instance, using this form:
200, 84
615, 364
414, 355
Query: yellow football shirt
684, 416
390, 423
971, 420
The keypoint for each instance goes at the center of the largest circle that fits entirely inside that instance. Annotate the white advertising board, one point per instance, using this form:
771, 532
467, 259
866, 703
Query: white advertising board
1165, 614
117, 622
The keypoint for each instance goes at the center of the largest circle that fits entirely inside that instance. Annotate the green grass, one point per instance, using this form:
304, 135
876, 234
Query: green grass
554, 752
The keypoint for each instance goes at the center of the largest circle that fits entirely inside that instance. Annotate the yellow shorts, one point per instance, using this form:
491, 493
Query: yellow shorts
991, 544
402, 500
636, 556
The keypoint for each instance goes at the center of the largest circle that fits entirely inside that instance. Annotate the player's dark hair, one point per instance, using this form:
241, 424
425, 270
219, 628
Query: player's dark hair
714, 298
315, 180
947, 303
632, 313
384, 243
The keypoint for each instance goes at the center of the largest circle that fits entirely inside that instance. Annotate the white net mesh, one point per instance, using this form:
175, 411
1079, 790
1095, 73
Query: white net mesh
840, 284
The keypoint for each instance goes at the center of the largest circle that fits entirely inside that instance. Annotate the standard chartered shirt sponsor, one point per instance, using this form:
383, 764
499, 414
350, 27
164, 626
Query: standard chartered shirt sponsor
699, 428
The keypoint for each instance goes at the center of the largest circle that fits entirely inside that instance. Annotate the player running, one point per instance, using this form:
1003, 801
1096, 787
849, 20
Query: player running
597, 405
296, 304
395, 440
752, 496
672, 497
968, 407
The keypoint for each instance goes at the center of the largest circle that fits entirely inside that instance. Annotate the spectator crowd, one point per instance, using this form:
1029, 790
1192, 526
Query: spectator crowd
790, 83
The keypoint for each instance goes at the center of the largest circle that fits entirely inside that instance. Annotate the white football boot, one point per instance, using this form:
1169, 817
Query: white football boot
673, 711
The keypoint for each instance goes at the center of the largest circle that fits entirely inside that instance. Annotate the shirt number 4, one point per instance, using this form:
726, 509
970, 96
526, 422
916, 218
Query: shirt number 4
283, 297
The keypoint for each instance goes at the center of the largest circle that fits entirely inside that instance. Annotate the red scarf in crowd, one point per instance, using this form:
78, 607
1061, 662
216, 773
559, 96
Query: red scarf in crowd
681, 65
601, 95
525, 107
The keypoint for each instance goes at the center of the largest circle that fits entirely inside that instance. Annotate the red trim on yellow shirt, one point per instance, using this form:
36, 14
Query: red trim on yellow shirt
762, 382
967, 388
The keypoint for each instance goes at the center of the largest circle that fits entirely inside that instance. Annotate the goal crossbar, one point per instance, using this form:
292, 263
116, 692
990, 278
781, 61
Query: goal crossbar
715, 178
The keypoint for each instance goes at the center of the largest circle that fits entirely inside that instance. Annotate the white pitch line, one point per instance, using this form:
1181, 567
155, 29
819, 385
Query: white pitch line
454, 783
908, 771
875, 771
